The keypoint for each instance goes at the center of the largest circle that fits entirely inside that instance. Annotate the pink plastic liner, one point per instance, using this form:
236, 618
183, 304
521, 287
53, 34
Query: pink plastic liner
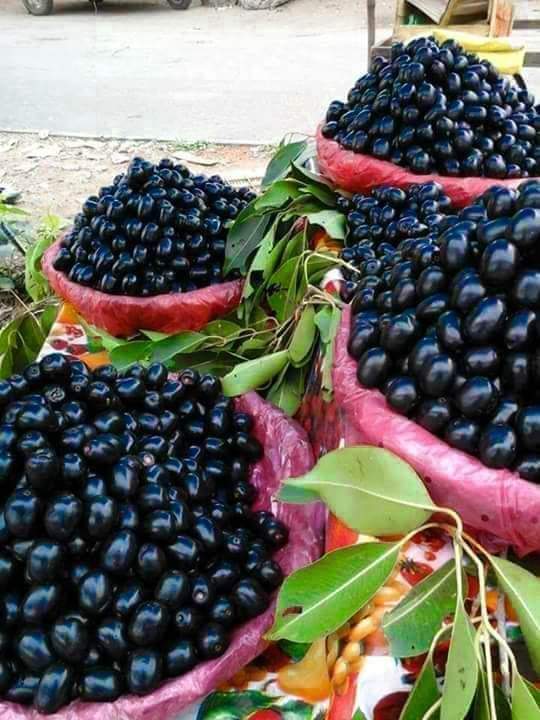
123, 316
497, 502
287, 453
355, 172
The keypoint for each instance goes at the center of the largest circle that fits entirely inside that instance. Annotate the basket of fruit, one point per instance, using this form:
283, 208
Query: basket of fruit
148, 252
141, 544
437, 355
435, 111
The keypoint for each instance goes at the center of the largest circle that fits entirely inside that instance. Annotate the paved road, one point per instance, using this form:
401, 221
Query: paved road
139, 69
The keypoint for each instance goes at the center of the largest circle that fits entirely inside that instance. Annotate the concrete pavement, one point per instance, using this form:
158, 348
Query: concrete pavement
140, 69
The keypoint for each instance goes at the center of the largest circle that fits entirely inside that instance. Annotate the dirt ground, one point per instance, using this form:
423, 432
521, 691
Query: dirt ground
56, 174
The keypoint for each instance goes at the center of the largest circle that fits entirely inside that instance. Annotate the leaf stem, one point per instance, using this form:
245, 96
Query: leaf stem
486, 628
432, 710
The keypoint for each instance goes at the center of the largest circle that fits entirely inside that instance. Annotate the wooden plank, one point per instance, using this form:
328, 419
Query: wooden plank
502, 18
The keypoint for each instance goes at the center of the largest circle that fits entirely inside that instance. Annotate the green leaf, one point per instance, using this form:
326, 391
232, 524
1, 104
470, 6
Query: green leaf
244, 238
523, 590
330, 325
222, 328
233, 705
107, 341
524, 704
319, 598
482, 710
36, 283
502, 705
424, 694
295, 651
359, 715
153, 335
411, 625
371, 490
184, 342
280, 164
260, 264
295, 710
481, 701
295, 247
330, 220
303, 337
253, 374
461, 677
124, 356
323, 320
277, 195
288, 390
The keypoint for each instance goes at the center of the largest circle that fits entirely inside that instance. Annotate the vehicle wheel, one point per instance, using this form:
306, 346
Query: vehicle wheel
38, 7
179, 4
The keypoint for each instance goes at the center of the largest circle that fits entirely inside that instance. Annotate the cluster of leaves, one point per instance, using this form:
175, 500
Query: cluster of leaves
22, 337
376, 493
269, 342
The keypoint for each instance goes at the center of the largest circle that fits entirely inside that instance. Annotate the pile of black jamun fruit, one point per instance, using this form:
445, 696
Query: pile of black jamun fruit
129, 546
448, 328
437, 108
157, 229
377, 223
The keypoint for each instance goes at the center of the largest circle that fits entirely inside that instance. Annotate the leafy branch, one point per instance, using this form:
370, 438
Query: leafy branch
376, 493
270, 341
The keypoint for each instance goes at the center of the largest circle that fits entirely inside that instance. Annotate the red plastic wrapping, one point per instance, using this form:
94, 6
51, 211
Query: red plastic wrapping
497, 502
123, 316
355, 172
287, 453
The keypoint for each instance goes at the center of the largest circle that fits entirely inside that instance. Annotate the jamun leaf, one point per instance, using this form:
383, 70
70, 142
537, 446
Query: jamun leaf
316, 600
183, 342
424, 694
524, 702
461, 676
260, 264
411, 625
330, 220
303, 337
279, 165
277, 195
125, 355
244, 238
523, 591
371, 490
288, 390
253, 374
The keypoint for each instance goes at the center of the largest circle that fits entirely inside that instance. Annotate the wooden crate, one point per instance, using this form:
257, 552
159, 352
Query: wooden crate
492, 18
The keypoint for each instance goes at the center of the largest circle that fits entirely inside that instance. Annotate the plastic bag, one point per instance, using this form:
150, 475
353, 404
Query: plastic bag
497, 502
355, 172
123, 315
287, 453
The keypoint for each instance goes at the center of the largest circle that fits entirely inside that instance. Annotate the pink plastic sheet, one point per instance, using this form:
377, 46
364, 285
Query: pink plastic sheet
123, 315
497, 502
287, 453
355, 172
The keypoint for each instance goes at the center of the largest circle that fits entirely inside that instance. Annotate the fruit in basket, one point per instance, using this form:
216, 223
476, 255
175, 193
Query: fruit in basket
157, 229
437, 108
121, 568
457, 351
